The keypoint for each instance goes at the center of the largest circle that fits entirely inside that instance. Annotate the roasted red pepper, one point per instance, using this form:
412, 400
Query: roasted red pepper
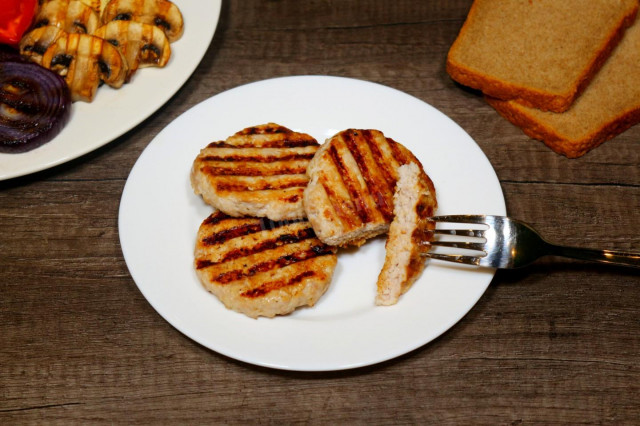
15, 18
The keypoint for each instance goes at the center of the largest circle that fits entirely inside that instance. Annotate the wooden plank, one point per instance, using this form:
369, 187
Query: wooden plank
554, 343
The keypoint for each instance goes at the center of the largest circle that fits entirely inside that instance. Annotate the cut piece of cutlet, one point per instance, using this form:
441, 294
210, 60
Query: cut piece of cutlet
409, 234
608, 107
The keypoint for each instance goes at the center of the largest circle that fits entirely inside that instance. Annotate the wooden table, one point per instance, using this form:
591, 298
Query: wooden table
558, 342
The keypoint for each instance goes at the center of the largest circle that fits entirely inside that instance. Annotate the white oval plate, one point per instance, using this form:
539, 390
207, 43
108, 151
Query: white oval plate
114, 112
160, 215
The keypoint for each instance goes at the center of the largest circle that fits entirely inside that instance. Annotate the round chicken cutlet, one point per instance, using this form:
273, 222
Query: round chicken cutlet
352, 177
262, 268
409, 234
259, 171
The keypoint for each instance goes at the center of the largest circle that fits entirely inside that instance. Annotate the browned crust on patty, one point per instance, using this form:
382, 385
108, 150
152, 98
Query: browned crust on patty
260, 267
352, 178
409, 234
259, 171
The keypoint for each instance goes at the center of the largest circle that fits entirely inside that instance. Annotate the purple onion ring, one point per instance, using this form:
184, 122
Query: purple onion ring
35, 104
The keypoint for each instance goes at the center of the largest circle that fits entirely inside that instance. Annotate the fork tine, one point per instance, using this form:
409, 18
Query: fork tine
461, 218
459, 244
477, 233
467, 260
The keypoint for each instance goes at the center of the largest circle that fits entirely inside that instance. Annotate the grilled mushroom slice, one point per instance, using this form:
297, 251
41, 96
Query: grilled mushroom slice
142, 45
93, 4
85, 61
161, 13
73, 16
103, 5
36, 42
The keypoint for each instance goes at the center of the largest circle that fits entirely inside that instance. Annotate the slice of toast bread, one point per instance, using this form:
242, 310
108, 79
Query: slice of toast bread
542, 53
608, 106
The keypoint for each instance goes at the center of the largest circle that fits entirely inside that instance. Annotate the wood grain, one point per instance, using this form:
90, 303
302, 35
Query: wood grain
555, 343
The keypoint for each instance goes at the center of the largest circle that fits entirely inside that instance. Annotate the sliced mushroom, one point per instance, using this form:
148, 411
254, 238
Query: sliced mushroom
85, 61
36, 42
103, 5
93, 4
142, 45
73, 16
161, 13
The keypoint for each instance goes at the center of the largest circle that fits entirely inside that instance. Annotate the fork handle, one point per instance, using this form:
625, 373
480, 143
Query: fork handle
614, 257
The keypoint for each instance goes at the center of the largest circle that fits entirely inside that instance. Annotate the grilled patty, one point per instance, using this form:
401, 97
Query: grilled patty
352, 178
259, 171
262, 268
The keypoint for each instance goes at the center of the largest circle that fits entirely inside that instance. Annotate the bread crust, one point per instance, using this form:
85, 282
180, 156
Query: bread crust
608, 107
559, 143
470, 74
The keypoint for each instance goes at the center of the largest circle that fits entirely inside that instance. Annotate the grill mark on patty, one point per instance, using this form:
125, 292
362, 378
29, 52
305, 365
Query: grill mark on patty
423, 233
264, 130
422, 238
282, 143
261, 186
229, 233
246, 170
398, 154
214, 218
268, 287
424, 209
259, 158
270, 244
269, 224
375, 185
280, 262
380, 160
340, 206
361, 208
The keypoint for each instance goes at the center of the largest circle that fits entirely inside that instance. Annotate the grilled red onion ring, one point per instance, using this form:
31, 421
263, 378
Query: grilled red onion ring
35, 105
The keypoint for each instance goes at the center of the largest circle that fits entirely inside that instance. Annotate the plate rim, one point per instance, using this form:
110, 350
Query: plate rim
53, 160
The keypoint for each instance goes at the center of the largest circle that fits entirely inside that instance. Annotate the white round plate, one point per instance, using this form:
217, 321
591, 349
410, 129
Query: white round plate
160, 215
114, 112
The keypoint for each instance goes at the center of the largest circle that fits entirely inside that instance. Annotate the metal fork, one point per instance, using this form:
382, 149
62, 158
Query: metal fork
507, 243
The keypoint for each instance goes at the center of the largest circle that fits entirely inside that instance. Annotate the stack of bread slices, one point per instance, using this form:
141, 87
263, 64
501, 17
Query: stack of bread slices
565, 72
